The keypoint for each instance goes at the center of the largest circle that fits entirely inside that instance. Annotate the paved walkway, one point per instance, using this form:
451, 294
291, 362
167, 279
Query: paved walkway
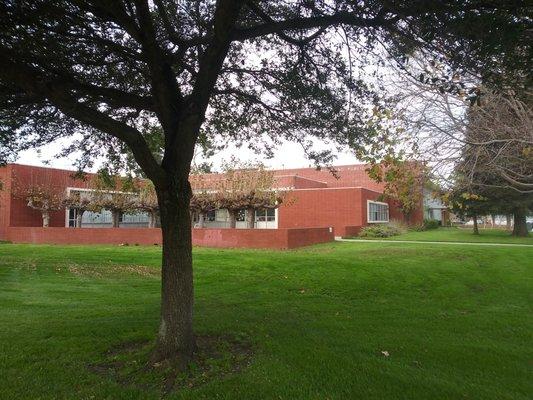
426, 242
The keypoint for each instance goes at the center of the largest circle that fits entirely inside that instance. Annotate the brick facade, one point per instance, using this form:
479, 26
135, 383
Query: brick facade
227, 238
316, 199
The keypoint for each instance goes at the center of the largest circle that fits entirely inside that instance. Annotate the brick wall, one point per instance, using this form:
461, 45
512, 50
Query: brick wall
241, 238
5, 199
25, 175
312, 204
351, 231
347, 176
297, 182
321, 207
336, 207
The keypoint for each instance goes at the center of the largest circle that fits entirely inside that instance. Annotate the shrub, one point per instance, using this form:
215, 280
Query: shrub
381, 230
431, 224
418, 227
426, 225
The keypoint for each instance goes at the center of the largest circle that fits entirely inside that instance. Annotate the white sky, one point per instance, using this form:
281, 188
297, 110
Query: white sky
288, 155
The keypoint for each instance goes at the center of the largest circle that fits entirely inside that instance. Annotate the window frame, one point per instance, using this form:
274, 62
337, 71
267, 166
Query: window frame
368, 219
262, 215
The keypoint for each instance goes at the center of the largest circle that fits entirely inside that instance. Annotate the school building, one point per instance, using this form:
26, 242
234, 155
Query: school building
320, 203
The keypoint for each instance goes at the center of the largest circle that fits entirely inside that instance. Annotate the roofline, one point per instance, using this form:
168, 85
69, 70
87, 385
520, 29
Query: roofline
44, 167
297, 176
338, 188
209, 173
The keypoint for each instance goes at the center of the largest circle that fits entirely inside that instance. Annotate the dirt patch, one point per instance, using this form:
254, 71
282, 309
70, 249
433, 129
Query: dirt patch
29, 264
216, 357
94, 271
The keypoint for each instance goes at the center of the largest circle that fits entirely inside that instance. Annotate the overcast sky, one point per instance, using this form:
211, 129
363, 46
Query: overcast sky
288, 155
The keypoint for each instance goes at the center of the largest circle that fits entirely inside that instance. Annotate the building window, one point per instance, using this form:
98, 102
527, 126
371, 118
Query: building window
210, 215
268, 214
72, 216
377, 212
240, 215
221, 215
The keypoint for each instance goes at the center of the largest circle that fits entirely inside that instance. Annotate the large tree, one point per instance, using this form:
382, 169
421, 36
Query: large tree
110, 70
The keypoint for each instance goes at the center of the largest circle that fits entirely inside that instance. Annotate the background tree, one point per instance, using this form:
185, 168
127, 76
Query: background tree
80, 202
146, 202
434, 119
241, 69
403, 183
502, 200
497, 157
42, 197
201, 203
115, 194
499, 140
467, 205
245, 186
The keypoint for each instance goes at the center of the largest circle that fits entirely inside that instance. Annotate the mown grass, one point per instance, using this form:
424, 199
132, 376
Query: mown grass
463, 235
455, 321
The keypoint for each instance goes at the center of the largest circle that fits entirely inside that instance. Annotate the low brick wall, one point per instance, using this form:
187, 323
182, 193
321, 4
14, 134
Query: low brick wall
53, 235
351, 231
241, 238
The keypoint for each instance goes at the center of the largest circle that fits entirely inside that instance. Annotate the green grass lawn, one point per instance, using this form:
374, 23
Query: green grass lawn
456, 321
463, 235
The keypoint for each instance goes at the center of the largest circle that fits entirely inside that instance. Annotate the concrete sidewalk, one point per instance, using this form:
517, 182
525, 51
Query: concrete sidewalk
427, 242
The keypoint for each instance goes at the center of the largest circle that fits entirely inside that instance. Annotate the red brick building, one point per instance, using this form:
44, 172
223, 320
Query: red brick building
318, 199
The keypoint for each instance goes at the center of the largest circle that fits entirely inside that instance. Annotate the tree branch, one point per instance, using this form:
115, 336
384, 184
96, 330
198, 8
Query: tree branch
34, 83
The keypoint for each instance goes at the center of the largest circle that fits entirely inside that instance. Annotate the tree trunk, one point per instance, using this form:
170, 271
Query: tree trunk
79, 216
476, 229
46, 218
115, 215
250, 216
175, 340
201, 219
151, 219
508, 222
520, 226
232, 219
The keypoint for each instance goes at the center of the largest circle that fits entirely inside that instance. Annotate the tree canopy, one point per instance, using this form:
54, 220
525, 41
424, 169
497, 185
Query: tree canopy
109, 70
155, 78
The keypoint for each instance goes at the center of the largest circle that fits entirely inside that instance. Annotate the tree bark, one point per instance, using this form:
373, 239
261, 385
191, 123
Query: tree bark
79, 216
201, 219
520, 226
508, 222
115, 215
250, 216
152, 216
175, 340
476, 229
232, 219
46, 218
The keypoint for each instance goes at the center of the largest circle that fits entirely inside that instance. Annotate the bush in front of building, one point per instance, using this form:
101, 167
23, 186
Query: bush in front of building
426, 225
382, 230
431, 224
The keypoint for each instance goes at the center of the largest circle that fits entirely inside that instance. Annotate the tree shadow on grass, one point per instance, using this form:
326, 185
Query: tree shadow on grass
216, 357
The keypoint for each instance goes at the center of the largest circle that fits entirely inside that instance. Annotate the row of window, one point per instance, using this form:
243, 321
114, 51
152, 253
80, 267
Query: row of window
105, 217
377, 212
221, 215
